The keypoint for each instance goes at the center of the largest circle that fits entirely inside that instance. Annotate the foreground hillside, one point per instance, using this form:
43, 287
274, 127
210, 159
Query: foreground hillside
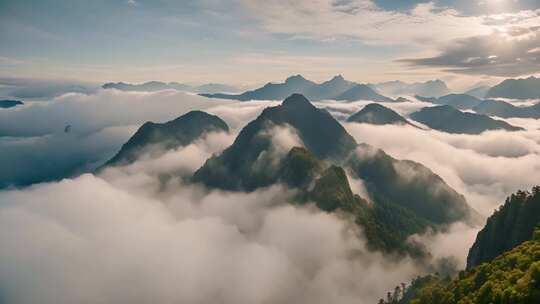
513, 277
509, 226
503, 264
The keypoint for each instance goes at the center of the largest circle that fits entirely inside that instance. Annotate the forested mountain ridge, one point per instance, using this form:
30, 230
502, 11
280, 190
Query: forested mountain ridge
503, 264
403, 202
512, 224
511, 278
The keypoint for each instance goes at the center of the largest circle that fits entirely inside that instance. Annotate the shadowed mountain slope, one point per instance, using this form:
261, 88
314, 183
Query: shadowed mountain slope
336, 88
377, 114
182, 131
526, 88
506, 110
450, 120
513, 223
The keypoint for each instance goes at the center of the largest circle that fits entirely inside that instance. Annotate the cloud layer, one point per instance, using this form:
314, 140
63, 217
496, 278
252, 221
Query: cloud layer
129, 235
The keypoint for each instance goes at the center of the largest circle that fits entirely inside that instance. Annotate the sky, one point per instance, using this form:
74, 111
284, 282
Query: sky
248, 42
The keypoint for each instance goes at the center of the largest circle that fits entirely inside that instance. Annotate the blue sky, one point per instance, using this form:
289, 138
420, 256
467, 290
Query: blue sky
253, 41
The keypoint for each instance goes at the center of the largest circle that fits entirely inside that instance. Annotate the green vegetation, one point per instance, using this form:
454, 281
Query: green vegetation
504, 262
509, 226
406, 197
512, 278
385, 225
248, 164
409, 186
299, 168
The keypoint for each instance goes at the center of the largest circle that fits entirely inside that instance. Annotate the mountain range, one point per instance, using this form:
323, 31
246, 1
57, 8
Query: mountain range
506, 110
513, 223
399, 202
478, 92
336, 88
403, 205
525, 88
152, 86
377, 114
503, 265
8, 103
451, 120
458, 101
432, 88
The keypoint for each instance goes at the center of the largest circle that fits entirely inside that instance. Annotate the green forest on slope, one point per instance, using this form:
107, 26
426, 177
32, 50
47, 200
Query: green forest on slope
505, 267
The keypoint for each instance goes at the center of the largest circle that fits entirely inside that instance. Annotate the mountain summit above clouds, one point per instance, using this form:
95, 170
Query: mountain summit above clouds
524, 88
451, 120
337, 88
260, 157
506, 110
458, 101
377, 114
181, 131
431, 88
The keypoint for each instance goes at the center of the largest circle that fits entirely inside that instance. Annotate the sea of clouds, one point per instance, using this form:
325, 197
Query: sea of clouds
125, 236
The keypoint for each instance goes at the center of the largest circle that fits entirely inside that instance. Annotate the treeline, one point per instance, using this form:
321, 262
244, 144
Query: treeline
503, 264
512, 224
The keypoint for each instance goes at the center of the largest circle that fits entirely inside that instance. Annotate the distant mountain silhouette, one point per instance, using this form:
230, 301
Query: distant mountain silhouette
329, 89
506, 110
181, 131
449, 119
458, 101
362, 92
337, 89
377, 114
402, 99
153, 86
527, 88
432, 88
478, 92
426, 99
7, 103
271, 91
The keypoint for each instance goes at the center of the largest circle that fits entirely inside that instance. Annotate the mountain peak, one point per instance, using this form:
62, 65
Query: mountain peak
294, 78
338, 78
181, 131
377, 114
296, 100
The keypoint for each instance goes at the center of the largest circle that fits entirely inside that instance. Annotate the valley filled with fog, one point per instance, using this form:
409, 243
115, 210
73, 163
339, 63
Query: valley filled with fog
270, 152
127, 235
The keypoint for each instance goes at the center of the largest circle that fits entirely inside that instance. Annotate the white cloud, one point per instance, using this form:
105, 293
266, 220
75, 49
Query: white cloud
131, 236
320, 20
86, 240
